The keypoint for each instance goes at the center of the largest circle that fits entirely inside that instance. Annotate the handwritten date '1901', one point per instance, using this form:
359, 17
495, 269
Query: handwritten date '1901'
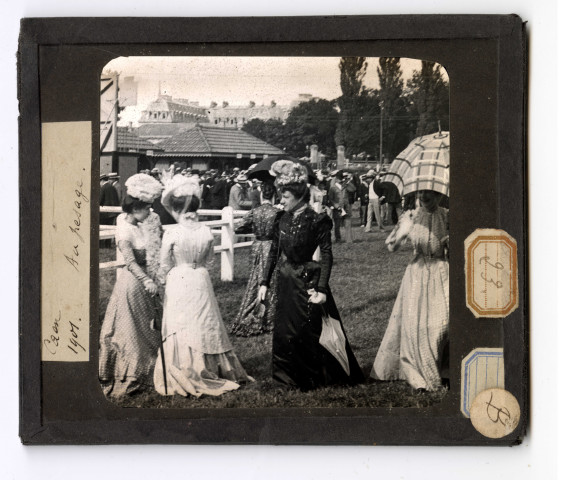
64, 334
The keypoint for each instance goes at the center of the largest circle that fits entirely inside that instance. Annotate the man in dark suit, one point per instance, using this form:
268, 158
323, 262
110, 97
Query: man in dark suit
394, 202
219, 193
336, 199
108, 198
363, 194
206, 187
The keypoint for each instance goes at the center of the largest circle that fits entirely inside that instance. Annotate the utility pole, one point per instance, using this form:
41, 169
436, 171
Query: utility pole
381, 104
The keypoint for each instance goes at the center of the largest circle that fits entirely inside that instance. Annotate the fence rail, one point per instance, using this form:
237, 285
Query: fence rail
226, 232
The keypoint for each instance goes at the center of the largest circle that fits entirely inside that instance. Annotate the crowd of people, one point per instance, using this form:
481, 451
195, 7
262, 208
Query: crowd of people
163, 327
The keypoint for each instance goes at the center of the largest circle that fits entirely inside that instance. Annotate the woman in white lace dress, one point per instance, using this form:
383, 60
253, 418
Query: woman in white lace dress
198, 354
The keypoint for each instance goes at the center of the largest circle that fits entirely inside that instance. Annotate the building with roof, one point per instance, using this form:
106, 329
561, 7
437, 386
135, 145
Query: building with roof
206, 146
166, 117
165, 109
157, 132
238, 116
133, 154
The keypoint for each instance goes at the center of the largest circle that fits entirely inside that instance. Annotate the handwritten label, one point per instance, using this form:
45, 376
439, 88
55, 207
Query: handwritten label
495, 413
491, 273
65, 266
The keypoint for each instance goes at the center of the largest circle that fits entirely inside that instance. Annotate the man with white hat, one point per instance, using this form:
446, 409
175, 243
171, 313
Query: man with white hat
376, 194
238, 198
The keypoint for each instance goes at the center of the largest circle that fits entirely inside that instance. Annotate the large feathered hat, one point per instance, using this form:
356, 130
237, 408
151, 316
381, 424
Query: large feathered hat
180, 186
143, 187
287, 172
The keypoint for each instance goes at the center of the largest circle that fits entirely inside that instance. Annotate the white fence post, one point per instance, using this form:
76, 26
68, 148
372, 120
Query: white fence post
227, 245
318, 209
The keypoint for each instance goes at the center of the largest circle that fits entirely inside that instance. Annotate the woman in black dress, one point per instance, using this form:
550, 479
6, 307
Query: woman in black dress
299, 360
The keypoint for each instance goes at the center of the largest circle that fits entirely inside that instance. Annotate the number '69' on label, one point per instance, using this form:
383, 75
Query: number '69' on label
491, 273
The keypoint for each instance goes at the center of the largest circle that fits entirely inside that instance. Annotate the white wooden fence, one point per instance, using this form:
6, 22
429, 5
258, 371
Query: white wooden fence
223, 228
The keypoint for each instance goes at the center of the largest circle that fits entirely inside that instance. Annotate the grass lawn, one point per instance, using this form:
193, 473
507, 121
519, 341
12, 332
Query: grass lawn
365, 280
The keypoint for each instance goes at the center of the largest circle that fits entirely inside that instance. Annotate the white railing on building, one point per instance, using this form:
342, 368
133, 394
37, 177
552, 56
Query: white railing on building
225, 230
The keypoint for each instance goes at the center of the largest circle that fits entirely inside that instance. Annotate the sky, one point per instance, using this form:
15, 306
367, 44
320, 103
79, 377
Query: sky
239, 80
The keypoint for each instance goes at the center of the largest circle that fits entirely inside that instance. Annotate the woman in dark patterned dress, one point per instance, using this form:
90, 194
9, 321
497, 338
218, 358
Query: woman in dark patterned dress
254, 317
299, 360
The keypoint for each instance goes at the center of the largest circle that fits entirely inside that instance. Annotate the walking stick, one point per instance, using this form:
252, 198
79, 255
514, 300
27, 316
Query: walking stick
163, 364
159, 312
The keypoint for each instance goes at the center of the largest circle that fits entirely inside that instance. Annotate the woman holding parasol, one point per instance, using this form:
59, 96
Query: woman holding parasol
416, 339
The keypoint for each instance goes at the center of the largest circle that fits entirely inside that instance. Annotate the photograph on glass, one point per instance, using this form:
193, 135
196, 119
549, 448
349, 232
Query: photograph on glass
274, 232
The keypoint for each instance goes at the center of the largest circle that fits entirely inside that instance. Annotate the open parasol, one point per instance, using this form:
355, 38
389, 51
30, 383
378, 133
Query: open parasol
423, 165
261, 170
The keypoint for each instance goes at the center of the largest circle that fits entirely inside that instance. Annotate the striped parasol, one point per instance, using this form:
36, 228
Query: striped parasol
424, 165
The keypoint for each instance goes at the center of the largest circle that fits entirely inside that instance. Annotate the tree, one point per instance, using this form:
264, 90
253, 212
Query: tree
256, 127
224, 104
429, 99
252, 104
358, 109
213, 104
352, 72
271, 131
309, 123
397, 125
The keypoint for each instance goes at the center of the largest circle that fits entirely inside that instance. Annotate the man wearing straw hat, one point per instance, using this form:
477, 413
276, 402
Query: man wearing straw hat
376, 194
238, 198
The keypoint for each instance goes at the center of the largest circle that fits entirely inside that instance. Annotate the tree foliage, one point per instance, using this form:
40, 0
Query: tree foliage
354, 119
397, 124
429, 99
271, 131
357, 108
309, 123
352, 72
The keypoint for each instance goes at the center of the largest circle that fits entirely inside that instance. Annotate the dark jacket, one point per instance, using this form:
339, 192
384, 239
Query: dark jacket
335, 196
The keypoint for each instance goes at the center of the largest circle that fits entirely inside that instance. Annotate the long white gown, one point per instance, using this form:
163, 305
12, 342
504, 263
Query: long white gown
198, 353
417, 333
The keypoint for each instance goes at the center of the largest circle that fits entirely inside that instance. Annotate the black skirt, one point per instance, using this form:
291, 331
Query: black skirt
299, 360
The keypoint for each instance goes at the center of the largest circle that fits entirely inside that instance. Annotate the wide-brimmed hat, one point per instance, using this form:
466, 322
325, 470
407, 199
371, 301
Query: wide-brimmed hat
287, 172
143, 187
113, 175
241, 178
370, 174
